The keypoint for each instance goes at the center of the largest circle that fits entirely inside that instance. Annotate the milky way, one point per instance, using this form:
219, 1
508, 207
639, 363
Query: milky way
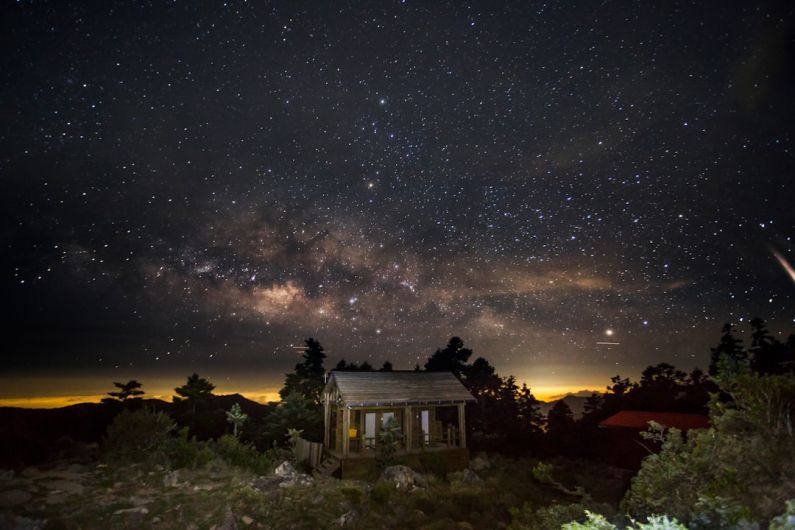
201, 188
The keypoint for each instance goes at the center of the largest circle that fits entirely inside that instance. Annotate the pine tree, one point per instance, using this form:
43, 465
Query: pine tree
728, 354
452, 358
308, 377
129, 390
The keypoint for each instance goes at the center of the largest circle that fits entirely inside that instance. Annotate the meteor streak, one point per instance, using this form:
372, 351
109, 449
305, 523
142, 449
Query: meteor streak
784, 264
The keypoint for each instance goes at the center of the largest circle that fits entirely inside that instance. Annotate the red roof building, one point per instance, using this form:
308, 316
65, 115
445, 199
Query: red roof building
625, 446
638, 419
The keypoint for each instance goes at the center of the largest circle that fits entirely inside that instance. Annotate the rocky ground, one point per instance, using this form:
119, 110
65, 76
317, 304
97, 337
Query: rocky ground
223, 497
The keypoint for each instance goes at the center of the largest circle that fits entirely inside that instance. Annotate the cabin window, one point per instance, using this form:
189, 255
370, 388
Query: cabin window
385, 417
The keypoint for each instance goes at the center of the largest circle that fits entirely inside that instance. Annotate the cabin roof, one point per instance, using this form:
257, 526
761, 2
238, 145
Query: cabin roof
639, 419
372, 389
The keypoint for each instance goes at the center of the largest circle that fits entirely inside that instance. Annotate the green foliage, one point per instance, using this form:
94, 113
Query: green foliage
353, 495
737, 473
381, 492
388, 442
785, 521
182, 451
542, 472
529, 517
135, 433
433, 463
237, 418
240, 454
294, 412
595, 521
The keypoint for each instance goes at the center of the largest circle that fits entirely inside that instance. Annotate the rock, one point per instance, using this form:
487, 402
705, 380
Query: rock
30, 472
204, 487
132, 511
229, 521
171, 479
479, 464
299, 479
285, 470
403, 477
246, 520
77, 468
66, 486
464, 525
13, 498
6, 474
267, 483
466, 476
346, 519
16, 522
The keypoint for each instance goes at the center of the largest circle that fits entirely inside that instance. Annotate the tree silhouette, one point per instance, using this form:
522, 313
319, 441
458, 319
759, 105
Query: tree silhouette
728, 354
308, 377
386, 367
294, 412
452, 358
194, 390
129, 390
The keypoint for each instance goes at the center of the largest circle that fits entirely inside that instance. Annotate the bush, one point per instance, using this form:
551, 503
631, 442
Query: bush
737, 473
434, 463
353, 495
242, 454
546, 518
594, 521
134, 433
182, 451
381, 492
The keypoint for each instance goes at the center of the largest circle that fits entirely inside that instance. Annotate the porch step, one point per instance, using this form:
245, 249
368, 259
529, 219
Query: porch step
328, 466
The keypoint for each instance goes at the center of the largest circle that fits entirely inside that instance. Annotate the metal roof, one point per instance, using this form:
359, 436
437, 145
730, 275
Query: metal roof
372, 389
638, 419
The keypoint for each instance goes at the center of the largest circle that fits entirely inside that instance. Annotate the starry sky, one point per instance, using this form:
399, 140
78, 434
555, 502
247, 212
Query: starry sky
199, 186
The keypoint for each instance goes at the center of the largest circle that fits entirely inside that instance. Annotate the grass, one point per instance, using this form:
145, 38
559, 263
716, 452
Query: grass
443, 504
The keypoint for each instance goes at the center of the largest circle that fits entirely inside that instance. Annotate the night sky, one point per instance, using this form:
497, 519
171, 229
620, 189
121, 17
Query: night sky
193, 188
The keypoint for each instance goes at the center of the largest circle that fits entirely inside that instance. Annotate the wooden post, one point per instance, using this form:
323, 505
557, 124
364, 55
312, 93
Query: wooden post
326, 420
407, 428
462, 431
346, 427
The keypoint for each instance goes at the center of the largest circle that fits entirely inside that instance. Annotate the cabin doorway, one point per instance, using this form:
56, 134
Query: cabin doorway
369, 430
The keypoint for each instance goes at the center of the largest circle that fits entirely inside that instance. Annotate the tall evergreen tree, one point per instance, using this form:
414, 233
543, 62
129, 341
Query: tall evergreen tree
452, 358
729, 352
308, 377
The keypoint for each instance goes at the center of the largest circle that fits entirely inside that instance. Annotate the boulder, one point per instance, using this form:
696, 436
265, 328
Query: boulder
11, 498
479, 463
403, 477
466, 476
285, 470
15, 522
346, 519
299, 479
171, 479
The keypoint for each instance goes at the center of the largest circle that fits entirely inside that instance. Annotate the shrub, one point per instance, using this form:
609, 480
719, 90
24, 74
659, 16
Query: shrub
737, 473
547, 518
353, 495
134, 433
594, 521
241, 454
381, 492
434, 463
182, 451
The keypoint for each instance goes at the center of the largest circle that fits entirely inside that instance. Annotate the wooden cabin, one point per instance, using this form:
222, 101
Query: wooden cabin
428, 406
